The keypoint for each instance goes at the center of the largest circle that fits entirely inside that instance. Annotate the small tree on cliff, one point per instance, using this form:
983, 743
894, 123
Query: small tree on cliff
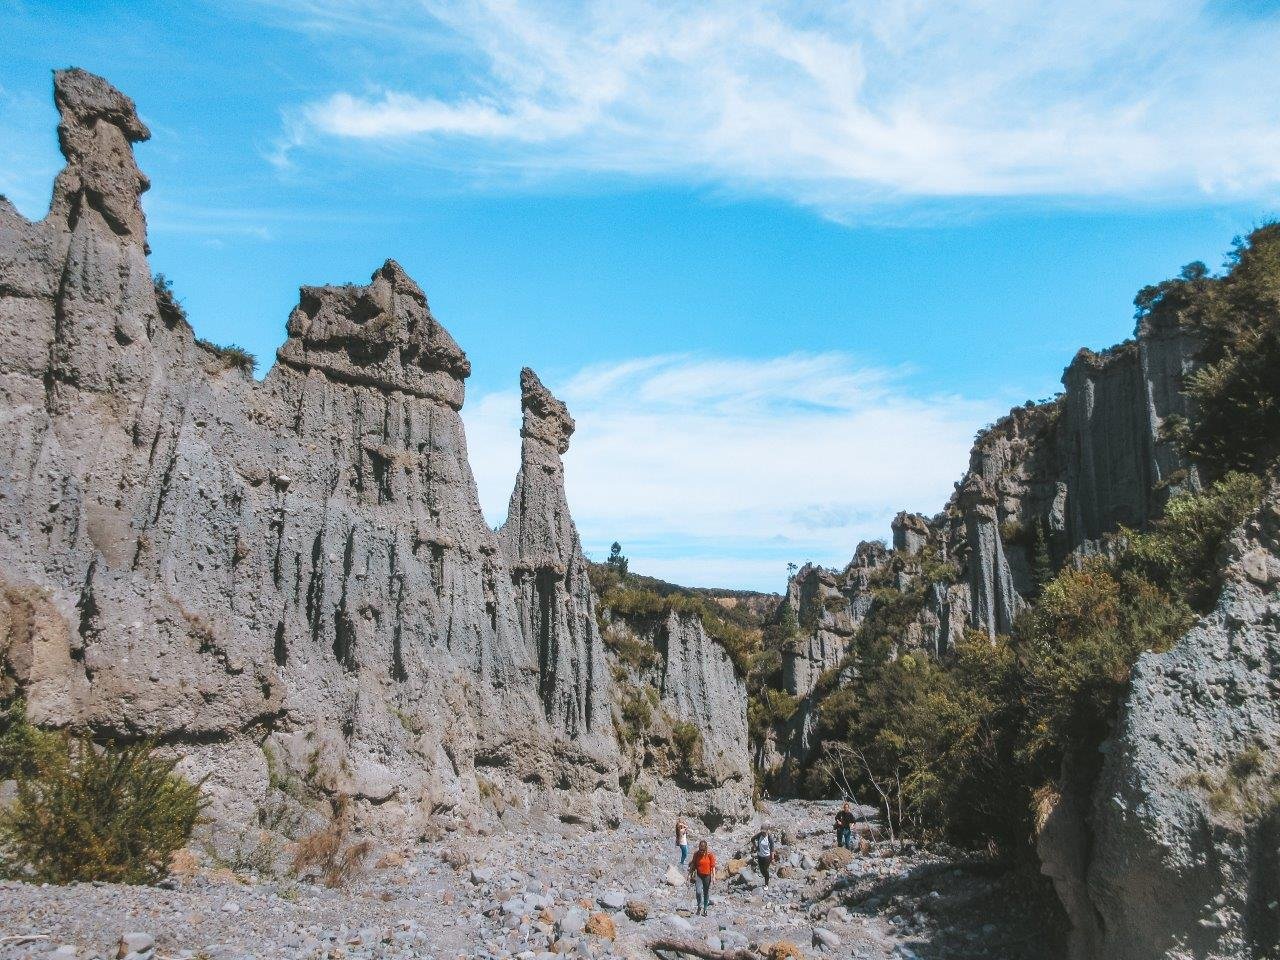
617, 562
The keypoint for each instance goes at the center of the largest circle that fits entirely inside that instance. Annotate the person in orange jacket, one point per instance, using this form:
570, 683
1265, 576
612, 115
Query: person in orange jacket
701, 869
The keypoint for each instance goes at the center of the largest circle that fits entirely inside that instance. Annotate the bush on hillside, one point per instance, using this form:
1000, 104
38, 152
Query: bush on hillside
83, 812
1180, 552
231, 356
1236, 392
22, 745
967, 742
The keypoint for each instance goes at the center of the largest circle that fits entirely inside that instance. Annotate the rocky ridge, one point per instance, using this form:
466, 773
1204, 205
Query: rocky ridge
1170, 851
1054, 477
290, 581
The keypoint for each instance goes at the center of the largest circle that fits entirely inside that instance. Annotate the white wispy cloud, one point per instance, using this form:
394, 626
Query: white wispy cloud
838, 105
722, 470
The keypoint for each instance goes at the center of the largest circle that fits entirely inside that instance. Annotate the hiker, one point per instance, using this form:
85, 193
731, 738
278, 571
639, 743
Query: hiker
765, 852
844, 827
682, 841
701, 869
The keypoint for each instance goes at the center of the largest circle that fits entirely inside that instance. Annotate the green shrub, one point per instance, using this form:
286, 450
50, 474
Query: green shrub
1076, 648
1236, 419
1180, 552
767, 708
83, 812
231, 356
23, 746
637, 714
171, 310
641, 603
642, 798
630, 650
688, 742
969, 741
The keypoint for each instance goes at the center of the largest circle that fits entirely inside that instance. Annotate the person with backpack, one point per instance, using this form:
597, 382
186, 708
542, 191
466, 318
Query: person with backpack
844, 828
682, 841
701, 869
766, 851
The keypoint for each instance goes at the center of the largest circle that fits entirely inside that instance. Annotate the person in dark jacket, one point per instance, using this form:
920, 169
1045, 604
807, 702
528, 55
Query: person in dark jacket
844, 828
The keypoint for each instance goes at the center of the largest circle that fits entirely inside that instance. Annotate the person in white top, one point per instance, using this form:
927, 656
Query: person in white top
765, 850
682, 841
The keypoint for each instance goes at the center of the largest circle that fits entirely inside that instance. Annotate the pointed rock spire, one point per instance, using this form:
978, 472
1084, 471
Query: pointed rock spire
541, 546
98, 127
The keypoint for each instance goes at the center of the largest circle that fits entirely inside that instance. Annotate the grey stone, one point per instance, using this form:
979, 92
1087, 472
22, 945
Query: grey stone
613, 899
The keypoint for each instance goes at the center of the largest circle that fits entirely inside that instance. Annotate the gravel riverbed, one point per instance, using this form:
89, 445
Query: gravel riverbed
536, 891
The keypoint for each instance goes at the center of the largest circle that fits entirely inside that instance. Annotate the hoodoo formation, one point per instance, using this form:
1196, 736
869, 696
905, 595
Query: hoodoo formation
289, 583
291, 580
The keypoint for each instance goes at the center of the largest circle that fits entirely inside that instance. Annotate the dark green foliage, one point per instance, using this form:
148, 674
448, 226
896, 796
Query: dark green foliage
231, 355
171, 311
688, 742
640, 603
84, 812
22, 746
1041, 560
768, 708
637, 714
1236, 424
974, 738
617, 562
1179, 553
631, 651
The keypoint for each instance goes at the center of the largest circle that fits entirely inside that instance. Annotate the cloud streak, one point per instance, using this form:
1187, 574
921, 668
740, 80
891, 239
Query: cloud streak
843, 105
723, 470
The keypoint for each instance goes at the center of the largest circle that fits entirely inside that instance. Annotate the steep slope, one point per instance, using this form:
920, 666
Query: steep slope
1184, 857
291, 581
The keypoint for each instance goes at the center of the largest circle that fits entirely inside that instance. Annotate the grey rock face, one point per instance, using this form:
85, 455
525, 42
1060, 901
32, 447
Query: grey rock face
692, 680
1184, 860
291, 581
910, 533
995, 600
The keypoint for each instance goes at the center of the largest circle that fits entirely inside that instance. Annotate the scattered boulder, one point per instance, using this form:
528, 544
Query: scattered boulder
136, 946
783, 950
637, 910
601, 925
613, 900
837, 858
674, 876
573, 922
822, 937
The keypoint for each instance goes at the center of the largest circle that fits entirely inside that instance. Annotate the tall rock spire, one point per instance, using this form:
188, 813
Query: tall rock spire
541, 546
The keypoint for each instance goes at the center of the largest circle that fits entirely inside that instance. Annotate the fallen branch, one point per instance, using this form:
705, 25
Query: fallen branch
25, 938
693, 949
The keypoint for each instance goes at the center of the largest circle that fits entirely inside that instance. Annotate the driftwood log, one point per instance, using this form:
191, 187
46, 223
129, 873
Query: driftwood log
690, 948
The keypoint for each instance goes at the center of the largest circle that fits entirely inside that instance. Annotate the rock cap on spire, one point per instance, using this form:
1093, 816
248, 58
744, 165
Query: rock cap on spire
545, 418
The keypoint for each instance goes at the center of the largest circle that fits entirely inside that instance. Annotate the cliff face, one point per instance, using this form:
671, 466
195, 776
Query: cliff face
290, 580
1185, 816
1044, 482
683, 716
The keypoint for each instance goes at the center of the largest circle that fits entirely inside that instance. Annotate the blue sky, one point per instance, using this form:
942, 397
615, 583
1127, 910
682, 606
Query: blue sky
782, 259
